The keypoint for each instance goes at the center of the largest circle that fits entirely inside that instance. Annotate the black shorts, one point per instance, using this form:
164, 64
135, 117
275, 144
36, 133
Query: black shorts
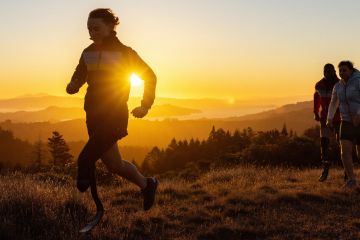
111, 123
349, 132
325, 131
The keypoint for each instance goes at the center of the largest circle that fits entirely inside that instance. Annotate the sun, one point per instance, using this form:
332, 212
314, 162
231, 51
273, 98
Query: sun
135, 80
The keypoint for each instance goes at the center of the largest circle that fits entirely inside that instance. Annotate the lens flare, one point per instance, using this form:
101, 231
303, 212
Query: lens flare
135, 80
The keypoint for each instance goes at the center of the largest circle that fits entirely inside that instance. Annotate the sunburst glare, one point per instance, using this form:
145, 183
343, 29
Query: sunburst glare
135, 80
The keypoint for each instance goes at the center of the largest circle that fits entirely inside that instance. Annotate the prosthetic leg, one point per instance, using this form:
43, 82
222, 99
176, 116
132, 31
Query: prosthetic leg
97, 145
99, 209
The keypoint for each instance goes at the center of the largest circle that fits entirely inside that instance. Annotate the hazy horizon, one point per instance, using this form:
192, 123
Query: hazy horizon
285, 99
198, 49
19, 107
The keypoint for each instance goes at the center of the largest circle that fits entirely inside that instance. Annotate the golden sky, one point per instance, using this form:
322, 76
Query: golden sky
204, 48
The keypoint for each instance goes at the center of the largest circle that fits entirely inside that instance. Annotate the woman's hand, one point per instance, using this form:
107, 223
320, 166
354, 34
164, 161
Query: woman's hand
139, 112
316, 117
71, 88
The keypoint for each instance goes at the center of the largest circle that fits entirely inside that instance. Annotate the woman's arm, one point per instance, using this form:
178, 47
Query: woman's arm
147, 75
316, 105
334, 104
78, 78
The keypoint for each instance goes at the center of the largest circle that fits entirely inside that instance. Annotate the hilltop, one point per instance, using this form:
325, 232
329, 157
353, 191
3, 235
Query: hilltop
238, 203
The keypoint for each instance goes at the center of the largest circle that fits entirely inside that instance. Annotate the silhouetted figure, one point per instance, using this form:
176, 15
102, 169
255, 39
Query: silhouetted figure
322, 97
346, 96
106, 66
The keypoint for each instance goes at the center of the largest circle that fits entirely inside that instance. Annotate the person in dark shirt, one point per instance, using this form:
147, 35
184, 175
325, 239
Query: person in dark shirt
106, 66
322, 97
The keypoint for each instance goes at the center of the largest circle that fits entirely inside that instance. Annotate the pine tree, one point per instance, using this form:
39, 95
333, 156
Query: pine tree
39, 153
291, 133
173, 145
153, 161
284, 131
59, 150
212, 134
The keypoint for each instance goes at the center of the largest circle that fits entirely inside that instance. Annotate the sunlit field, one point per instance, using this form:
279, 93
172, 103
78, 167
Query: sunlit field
238, 203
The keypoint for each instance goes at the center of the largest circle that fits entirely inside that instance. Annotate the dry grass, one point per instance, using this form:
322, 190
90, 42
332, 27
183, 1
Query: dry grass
240, 203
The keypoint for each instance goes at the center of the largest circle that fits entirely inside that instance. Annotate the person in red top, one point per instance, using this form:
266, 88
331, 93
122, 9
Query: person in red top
322, 98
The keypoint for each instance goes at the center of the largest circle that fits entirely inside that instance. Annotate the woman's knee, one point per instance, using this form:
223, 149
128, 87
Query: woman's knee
346, 155
346, 148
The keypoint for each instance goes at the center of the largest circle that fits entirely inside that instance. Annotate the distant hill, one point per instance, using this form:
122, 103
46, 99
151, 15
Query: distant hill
42, 101
37, 102
183, 109
296, 107
142, 132
168, 110
52, 114
55, 114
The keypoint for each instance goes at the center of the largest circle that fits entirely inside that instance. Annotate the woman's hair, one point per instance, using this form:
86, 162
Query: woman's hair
348, 64
329, 66
106, 14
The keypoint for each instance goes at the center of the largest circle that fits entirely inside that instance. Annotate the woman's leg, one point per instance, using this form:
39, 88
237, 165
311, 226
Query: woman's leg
346, 156
92, 151
114, 163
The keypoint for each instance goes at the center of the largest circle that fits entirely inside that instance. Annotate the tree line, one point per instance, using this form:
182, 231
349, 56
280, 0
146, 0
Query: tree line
221, 148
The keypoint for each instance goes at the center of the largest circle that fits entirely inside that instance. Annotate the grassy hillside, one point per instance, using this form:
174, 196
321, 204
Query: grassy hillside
238, 203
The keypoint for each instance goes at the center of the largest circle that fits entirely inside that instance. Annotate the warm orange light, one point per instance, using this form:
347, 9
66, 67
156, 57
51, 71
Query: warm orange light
135, 80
